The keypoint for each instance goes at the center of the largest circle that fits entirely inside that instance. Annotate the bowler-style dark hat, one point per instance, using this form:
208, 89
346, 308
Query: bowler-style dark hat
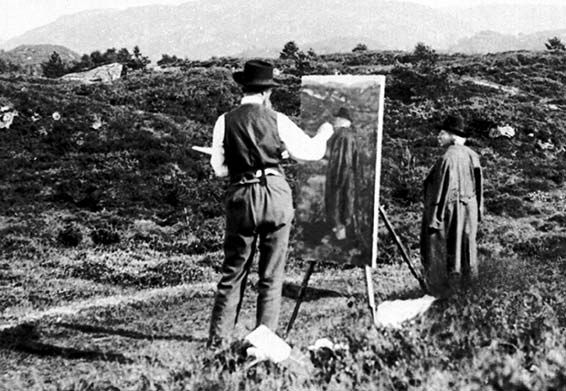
343, 113
256, 73
453, 124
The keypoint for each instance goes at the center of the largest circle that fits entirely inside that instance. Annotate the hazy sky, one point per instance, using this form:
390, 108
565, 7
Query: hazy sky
19, 16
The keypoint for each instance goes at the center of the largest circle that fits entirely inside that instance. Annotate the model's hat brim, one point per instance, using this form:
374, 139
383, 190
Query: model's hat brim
454, 125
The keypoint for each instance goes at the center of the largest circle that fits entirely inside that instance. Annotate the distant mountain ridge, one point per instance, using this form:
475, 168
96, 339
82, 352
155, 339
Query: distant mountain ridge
204, 28
492, 42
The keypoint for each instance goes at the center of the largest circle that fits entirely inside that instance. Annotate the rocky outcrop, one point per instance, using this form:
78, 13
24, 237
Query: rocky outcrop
103, 74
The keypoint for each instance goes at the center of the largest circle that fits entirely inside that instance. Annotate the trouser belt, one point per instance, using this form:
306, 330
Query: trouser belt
257, 176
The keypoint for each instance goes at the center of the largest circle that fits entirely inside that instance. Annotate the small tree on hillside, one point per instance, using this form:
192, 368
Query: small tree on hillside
7, 66
168, 60
110, 56
97, 58
138, 61
290, 51
123, 56
311, 53
424, 54
361, 47
54, 67
554, 44
85, 64
304, 61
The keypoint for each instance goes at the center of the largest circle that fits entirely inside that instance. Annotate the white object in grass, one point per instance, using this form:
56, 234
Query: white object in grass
393, 313
268, 344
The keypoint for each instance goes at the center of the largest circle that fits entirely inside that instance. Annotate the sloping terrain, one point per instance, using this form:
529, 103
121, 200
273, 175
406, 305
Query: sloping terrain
30, 57
101, 196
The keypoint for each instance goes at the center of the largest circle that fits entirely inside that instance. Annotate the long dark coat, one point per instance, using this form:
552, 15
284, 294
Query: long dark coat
453, 206
342, 176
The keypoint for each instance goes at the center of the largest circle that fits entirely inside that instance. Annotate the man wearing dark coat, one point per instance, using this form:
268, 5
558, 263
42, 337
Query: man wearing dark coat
341, 177
453, 204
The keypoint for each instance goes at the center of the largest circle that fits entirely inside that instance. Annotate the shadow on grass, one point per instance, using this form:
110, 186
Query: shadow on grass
291, 291
25, 339
127, 333
405, 294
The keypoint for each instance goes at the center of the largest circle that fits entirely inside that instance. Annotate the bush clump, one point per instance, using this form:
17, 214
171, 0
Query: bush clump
105, 236
509, 205
70, 236
543, 247
210, 236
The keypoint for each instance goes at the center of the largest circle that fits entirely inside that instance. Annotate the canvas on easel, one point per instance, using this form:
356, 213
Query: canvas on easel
337, 198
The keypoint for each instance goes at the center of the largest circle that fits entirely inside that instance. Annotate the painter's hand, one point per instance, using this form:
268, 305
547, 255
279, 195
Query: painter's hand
325, 130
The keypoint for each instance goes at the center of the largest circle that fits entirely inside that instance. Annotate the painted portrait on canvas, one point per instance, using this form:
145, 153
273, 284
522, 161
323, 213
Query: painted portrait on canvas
337, 197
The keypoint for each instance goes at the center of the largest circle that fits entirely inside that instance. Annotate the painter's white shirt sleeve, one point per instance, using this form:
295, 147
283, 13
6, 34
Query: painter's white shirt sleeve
217, 159
299, 144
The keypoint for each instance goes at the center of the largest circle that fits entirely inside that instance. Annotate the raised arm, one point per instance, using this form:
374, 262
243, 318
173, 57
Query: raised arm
300, 145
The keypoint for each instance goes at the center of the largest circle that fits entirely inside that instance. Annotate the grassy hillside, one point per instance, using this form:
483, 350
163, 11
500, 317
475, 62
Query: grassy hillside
30, 57
101, 196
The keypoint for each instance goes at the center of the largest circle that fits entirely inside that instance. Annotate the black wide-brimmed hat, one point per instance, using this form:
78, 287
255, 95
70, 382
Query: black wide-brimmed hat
256, 73
453, 124
343, 112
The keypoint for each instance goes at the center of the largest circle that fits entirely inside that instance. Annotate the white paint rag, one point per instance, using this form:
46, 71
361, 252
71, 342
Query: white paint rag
267, 345
393, 313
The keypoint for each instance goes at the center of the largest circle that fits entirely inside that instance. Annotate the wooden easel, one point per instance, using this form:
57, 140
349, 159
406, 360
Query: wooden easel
368, 277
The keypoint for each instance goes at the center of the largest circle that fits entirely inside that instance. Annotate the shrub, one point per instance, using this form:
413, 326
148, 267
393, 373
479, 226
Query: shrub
554, 44
91, 270
54, 67
290, 51
210, 236
543, 247
408, 84
509, 205
171, 273
70, 236
105, 236
361, 47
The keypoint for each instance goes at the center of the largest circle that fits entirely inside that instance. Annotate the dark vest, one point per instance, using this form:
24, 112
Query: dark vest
242, 153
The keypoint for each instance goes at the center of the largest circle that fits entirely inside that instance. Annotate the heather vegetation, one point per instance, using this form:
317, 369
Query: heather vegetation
102, 196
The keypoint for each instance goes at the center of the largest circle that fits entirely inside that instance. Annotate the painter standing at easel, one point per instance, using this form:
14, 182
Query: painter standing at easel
452, 210
247, 146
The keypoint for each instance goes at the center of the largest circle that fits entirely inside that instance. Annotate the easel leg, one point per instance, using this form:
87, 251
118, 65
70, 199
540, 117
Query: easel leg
371, 294
404, 253
300, 297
